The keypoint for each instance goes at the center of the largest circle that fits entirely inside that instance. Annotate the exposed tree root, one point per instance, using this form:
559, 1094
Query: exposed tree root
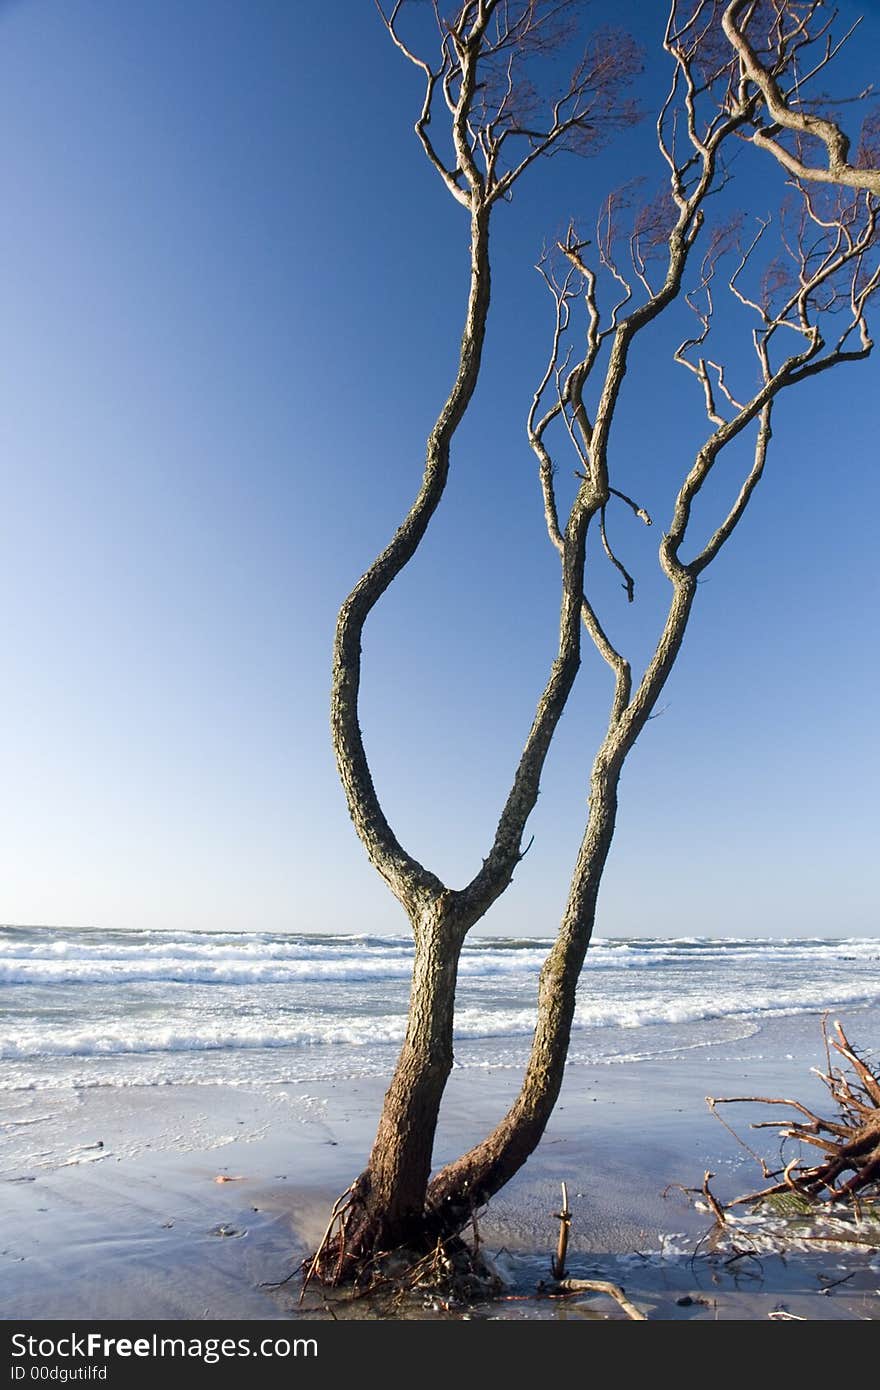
452, 1274
849, 1172
354, 1253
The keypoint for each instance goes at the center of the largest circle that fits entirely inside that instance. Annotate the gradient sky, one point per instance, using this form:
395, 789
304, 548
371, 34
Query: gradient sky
231, 300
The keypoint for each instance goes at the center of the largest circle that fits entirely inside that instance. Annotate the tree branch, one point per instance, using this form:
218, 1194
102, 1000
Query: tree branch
838, 171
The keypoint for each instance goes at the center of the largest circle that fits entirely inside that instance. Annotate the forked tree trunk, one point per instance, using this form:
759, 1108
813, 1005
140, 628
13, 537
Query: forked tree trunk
393, 1204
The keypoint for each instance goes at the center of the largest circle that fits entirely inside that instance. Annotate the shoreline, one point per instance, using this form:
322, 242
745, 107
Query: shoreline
115, 1210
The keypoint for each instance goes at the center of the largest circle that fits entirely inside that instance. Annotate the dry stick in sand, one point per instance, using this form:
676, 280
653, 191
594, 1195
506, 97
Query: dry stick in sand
564, 1286
557, 1265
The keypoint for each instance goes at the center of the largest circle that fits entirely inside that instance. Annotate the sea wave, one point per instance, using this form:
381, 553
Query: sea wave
231, 970
219, 959
214, 948
122, 1038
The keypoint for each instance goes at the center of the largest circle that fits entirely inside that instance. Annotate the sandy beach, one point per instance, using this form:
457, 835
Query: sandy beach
113, 1208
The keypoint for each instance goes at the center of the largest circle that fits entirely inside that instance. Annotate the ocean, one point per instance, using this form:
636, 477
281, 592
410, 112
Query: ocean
113, 1008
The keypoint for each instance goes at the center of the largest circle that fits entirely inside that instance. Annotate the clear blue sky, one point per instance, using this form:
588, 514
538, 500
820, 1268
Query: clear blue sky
231, 300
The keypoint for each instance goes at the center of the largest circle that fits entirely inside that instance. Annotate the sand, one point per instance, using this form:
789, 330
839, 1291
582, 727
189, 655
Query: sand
112, 1208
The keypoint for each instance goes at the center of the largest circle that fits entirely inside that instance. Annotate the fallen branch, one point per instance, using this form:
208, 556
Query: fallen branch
715, 1205
569, 1286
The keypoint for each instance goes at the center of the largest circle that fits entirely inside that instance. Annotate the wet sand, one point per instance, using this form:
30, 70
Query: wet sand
112, 1208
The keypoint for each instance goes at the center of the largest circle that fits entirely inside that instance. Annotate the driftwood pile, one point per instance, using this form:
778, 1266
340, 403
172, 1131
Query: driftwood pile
849, 1169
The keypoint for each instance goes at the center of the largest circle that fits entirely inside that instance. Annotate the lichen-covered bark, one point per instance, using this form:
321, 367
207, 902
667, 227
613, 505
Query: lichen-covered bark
396, 1178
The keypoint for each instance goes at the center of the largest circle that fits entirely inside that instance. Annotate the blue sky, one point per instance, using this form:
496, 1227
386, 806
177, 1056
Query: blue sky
231, 300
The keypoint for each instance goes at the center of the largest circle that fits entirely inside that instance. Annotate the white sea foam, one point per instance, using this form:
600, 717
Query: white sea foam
88, 1007
644, 1011
124, 1037
62, 959
216, 948
236, 970
118, 1039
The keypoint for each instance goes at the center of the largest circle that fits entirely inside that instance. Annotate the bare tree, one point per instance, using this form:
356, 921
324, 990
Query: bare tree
808, 305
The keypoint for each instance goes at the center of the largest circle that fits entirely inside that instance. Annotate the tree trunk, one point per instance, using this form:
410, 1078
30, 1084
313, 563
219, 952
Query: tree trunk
386, 1205
400, 1161
474, 1178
